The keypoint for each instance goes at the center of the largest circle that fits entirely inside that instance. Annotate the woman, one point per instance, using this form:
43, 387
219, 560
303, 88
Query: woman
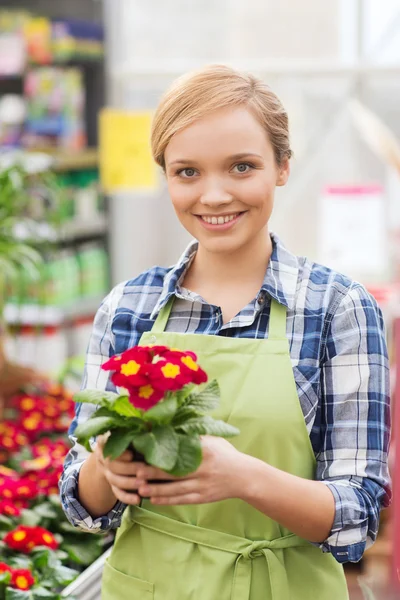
301, 360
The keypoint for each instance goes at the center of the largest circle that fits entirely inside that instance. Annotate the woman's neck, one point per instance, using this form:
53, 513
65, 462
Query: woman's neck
246, 266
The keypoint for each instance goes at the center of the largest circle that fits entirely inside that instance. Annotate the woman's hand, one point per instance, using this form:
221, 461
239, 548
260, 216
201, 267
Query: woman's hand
119, 473
219, 477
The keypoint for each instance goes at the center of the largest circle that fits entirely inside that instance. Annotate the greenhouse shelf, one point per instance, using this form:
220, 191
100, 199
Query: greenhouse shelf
88, 585
33, 315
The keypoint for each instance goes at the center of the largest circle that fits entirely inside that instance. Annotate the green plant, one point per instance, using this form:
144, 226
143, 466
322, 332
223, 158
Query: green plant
161, 411
16, 198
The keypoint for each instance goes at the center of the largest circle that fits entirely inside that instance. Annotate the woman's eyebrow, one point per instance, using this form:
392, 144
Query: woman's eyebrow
239, 156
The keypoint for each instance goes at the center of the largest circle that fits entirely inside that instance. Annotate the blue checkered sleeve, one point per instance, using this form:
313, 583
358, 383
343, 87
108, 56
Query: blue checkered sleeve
355, 423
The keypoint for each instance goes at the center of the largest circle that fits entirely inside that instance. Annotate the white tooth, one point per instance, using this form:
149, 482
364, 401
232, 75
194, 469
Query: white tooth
232, 217
214, 220
227, 219
221, 220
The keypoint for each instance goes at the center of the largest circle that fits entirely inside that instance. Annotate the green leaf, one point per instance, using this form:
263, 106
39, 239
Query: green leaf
5, 577
208, 426
163, 412
29, 517
206, 400
13, 594
46, 511
159, 447
92, 427
63, 575
117, 443
83, 551
42, 592
123, 407
6, 524
184, 414
41, 558
189, 456
96, 397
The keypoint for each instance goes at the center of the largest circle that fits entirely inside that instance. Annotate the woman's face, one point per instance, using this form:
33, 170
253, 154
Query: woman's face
221, 174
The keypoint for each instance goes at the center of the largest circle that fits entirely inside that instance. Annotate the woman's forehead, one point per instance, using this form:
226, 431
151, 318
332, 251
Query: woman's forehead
224, 132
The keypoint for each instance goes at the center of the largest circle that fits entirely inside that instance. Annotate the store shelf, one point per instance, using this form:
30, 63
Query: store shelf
69, 232
36, 160
26, 314
70, 160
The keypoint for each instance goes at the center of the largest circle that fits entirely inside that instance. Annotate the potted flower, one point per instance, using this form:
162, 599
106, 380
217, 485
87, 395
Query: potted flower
161, 411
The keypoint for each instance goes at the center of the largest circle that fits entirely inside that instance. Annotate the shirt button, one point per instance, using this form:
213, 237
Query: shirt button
261, 298
152, 339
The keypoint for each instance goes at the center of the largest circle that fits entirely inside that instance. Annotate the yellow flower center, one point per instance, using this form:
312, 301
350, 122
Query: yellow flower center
19, 536
48, 538
130, 368
7, 493
7, 442
21, 582
146, 391
23, 490
27, 403
189, 362
31, 423
170, 371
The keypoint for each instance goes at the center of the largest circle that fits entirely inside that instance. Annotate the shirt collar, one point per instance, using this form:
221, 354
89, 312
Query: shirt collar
280, 281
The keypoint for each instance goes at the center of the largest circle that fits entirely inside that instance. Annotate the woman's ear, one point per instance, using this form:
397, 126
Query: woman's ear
283, 172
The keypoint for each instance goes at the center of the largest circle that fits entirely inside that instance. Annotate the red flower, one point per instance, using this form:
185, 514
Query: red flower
19, 489
22, 579
20, 539
25, 538
130, 369
5, 568
9, 509
167, 375
43, 537
145, 397
11, 437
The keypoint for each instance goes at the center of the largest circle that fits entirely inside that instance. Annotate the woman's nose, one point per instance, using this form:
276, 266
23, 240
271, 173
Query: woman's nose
215, 194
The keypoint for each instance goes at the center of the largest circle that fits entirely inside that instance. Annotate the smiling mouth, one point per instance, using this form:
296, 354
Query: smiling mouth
219, 220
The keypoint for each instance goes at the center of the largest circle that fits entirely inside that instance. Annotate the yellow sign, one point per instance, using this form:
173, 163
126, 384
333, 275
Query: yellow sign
125, 158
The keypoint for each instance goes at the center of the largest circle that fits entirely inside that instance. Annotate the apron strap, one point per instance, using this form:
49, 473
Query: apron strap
277, 321
162, 318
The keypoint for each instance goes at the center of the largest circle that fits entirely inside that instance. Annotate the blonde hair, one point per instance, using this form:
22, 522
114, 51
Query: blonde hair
196, 94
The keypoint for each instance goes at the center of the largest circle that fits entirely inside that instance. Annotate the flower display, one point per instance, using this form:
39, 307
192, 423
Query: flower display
159, 413
33, 446
24, 538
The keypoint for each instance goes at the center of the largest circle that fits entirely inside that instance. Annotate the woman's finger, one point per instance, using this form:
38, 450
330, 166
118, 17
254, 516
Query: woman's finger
147, 472
168, 489
122, 468
123, 483
125, 497
193, 498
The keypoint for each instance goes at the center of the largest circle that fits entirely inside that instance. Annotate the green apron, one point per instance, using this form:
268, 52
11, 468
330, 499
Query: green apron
229, 550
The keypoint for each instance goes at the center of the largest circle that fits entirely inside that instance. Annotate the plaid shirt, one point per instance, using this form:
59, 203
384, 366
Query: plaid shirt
340, 366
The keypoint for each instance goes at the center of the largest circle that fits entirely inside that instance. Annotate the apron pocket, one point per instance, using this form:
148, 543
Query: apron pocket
118, 586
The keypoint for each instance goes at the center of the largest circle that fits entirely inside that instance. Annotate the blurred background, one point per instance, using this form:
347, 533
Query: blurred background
85, 208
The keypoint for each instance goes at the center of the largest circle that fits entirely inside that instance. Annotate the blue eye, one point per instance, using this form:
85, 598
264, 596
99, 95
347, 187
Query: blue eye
243, 167
187, 173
